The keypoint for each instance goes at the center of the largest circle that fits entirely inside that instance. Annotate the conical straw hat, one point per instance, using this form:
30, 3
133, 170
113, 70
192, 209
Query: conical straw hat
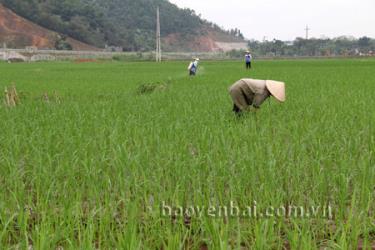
277, 89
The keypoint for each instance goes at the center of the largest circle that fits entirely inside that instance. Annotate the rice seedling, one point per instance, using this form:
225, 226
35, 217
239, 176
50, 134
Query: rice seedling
108, 168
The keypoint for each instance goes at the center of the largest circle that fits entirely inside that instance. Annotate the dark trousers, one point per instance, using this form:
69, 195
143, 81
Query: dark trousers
248, 65
236, 109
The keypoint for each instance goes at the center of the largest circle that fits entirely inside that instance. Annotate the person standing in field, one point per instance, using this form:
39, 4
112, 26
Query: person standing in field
247, 93
248, 59
193, 67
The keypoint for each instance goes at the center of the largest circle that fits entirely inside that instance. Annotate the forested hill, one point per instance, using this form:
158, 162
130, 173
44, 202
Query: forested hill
126, 23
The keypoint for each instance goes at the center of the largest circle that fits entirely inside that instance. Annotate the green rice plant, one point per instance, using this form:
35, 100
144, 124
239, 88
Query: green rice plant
148, 88
94, 171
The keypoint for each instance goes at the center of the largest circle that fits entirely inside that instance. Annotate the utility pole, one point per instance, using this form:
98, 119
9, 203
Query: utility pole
158, 39
307, 29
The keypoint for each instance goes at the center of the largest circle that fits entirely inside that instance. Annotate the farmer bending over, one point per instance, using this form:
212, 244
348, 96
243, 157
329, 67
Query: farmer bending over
193, 67
250, 92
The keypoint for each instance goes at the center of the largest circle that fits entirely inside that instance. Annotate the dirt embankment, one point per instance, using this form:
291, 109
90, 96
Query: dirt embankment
210, 42
17, 32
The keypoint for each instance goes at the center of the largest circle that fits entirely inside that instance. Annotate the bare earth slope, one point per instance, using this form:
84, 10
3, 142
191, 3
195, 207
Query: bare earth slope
210, 42
18, 32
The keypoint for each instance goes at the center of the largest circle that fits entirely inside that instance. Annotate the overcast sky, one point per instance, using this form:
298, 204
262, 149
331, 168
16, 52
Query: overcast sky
287, 19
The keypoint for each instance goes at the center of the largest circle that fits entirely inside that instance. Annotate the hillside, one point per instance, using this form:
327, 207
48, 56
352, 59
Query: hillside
16, 31
126, 23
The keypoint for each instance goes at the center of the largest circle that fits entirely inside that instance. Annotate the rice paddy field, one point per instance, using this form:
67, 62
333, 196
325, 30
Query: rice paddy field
114, 155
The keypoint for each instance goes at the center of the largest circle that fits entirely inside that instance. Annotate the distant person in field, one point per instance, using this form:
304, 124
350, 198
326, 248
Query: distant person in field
247, 93
248, 59
193, 67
